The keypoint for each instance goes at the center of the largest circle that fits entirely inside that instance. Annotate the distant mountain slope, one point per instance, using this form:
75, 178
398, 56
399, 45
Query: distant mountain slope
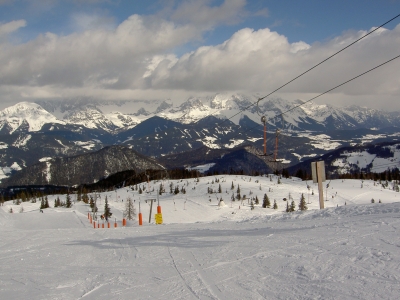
86, 168
367, 158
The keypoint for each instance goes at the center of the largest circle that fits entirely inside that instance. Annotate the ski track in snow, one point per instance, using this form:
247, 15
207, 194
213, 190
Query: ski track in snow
208, 252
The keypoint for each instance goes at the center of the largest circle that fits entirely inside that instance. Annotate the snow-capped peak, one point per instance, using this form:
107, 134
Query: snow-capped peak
27, 113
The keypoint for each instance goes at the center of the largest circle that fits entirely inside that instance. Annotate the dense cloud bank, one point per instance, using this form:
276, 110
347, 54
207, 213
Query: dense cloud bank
137, 58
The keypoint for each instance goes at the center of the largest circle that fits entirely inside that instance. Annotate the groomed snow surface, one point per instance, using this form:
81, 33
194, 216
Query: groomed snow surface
203, 251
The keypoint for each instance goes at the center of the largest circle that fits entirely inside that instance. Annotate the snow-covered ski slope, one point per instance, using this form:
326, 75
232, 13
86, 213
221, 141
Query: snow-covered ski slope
204, 251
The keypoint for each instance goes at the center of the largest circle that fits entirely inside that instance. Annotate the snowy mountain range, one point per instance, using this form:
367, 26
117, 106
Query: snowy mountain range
33, 132
113, 116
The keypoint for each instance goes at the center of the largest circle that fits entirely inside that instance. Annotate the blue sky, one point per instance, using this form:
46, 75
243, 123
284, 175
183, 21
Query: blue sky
166, 49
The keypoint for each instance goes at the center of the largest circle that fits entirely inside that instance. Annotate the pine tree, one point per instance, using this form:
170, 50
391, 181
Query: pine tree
42, 204
252, 204
68, 203
232, 186
275, 205
79, 196
287, 207
257, 201
46, 202
107, 210
130, 211
238, 190
303, 204
238, 196
219, 189
91, 203
85, 197
23, 197
161, 189
266, 202
292, 206
372, 200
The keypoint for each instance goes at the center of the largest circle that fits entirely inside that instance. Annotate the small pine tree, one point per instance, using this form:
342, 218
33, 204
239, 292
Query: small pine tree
68, 202
46, 202
232, 186
219, 189
372, 200
42, 204
107, 210
287, 207
275, 205
79, 196
257, 201
251, 204
140, 190
238, 190
292, 206
303, 204
161, 189
266, 202
85, 198
130, 211
279, 180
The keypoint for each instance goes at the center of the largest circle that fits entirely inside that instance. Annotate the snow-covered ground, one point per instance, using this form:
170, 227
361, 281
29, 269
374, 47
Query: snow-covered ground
204, 251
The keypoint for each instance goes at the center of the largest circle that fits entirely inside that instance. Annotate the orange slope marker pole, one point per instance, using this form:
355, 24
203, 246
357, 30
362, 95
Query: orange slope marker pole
140, 217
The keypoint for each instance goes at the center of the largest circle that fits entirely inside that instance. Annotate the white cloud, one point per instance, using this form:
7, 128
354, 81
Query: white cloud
264, 60
12, 26
137, 57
